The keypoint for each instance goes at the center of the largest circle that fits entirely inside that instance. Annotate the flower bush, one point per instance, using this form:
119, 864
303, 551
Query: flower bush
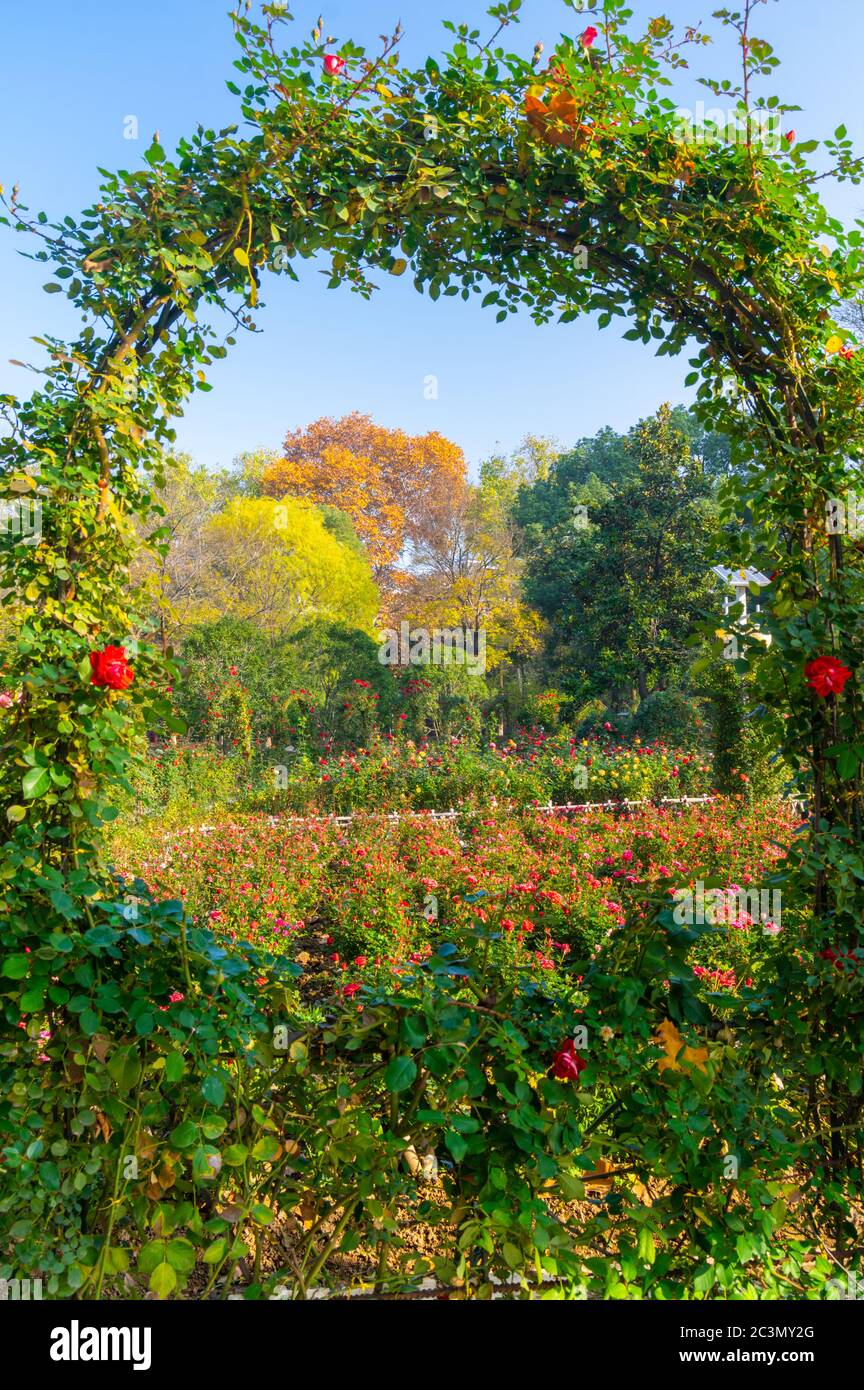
440, 1085
555, 887
397, 774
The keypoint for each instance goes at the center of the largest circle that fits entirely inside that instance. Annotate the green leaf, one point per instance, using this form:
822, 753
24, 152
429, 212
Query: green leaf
456, 1144
413, 1030
124, 1068
50, 1175
34, 782
847, 762
266, 1149
16, 967
89, 1021
181, 1255
174, 1066
163, 1280
646, 1247
16, 813
400, 1073
185, 1135
213, 1090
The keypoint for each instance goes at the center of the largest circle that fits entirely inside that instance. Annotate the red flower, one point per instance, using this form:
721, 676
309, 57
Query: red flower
847, 352
232, 670
826, 675
789, 136
111, 669
844, 961
567, 1064
588, 37
349, 990
333, 64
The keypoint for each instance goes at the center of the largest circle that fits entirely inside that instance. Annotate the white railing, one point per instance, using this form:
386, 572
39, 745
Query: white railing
394, 817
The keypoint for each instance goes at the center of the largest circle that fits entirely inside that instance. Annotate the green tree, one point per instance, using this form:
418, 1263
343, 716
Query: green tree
623, 595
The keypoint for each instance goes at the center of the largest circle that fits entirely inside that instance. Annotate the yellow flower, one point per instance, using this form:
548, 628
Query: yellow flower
834, 343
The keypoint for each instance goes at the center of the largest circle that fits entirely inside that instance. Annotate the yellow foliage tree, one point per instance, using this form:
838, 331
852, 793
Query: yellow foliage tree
277, 564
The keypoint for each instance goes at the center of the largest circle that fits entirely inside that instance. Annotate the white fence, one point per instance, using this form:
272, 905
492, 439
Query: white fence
394, 817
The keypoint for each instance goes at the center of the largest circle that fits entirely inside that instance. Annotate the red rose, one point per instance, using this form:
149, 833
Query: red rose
588, 37
826, 675
844, 961
789, 136
111, 669
567, 1064
333, 64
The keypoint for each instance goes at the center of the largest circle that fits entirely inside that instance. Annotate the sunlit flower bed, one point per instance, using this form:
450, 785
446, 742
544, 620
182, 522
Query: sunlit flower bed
365, 898
397, 774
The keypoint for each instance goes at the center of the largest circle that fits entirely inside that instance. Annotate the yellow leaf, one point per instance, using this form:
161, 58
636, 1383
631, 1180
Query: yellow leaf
676, 1050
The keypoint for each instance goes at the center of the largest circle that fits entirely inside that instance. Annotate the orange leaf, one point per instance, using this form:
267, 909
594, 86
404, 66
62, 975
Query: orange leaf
677, 1051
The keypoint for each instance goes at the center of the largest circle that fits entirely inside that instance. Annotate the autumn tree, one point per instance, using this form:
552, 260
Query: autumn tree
279, 565
175, 569
469, 572
395, 487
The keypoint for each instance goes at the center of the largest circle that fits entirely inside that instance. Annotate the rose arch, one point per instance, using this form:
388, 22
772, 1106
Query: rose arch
558, 185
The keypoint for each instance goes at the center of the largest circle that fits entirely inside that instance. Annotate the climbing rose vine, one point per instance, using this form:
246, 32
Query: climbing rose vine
555, 187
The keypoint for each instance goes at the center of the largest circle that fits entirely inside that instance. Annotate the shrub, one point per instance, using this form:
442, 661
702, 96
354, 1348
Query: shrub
669, 716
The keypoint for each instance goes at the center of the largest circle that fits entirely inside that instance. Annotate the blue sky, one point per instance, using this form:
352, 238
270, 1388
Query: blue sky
73, 72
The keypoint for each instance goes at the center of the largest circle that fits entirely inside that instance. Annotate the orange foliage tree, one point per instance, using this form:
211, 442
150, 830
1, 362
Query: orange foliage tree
397, 488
